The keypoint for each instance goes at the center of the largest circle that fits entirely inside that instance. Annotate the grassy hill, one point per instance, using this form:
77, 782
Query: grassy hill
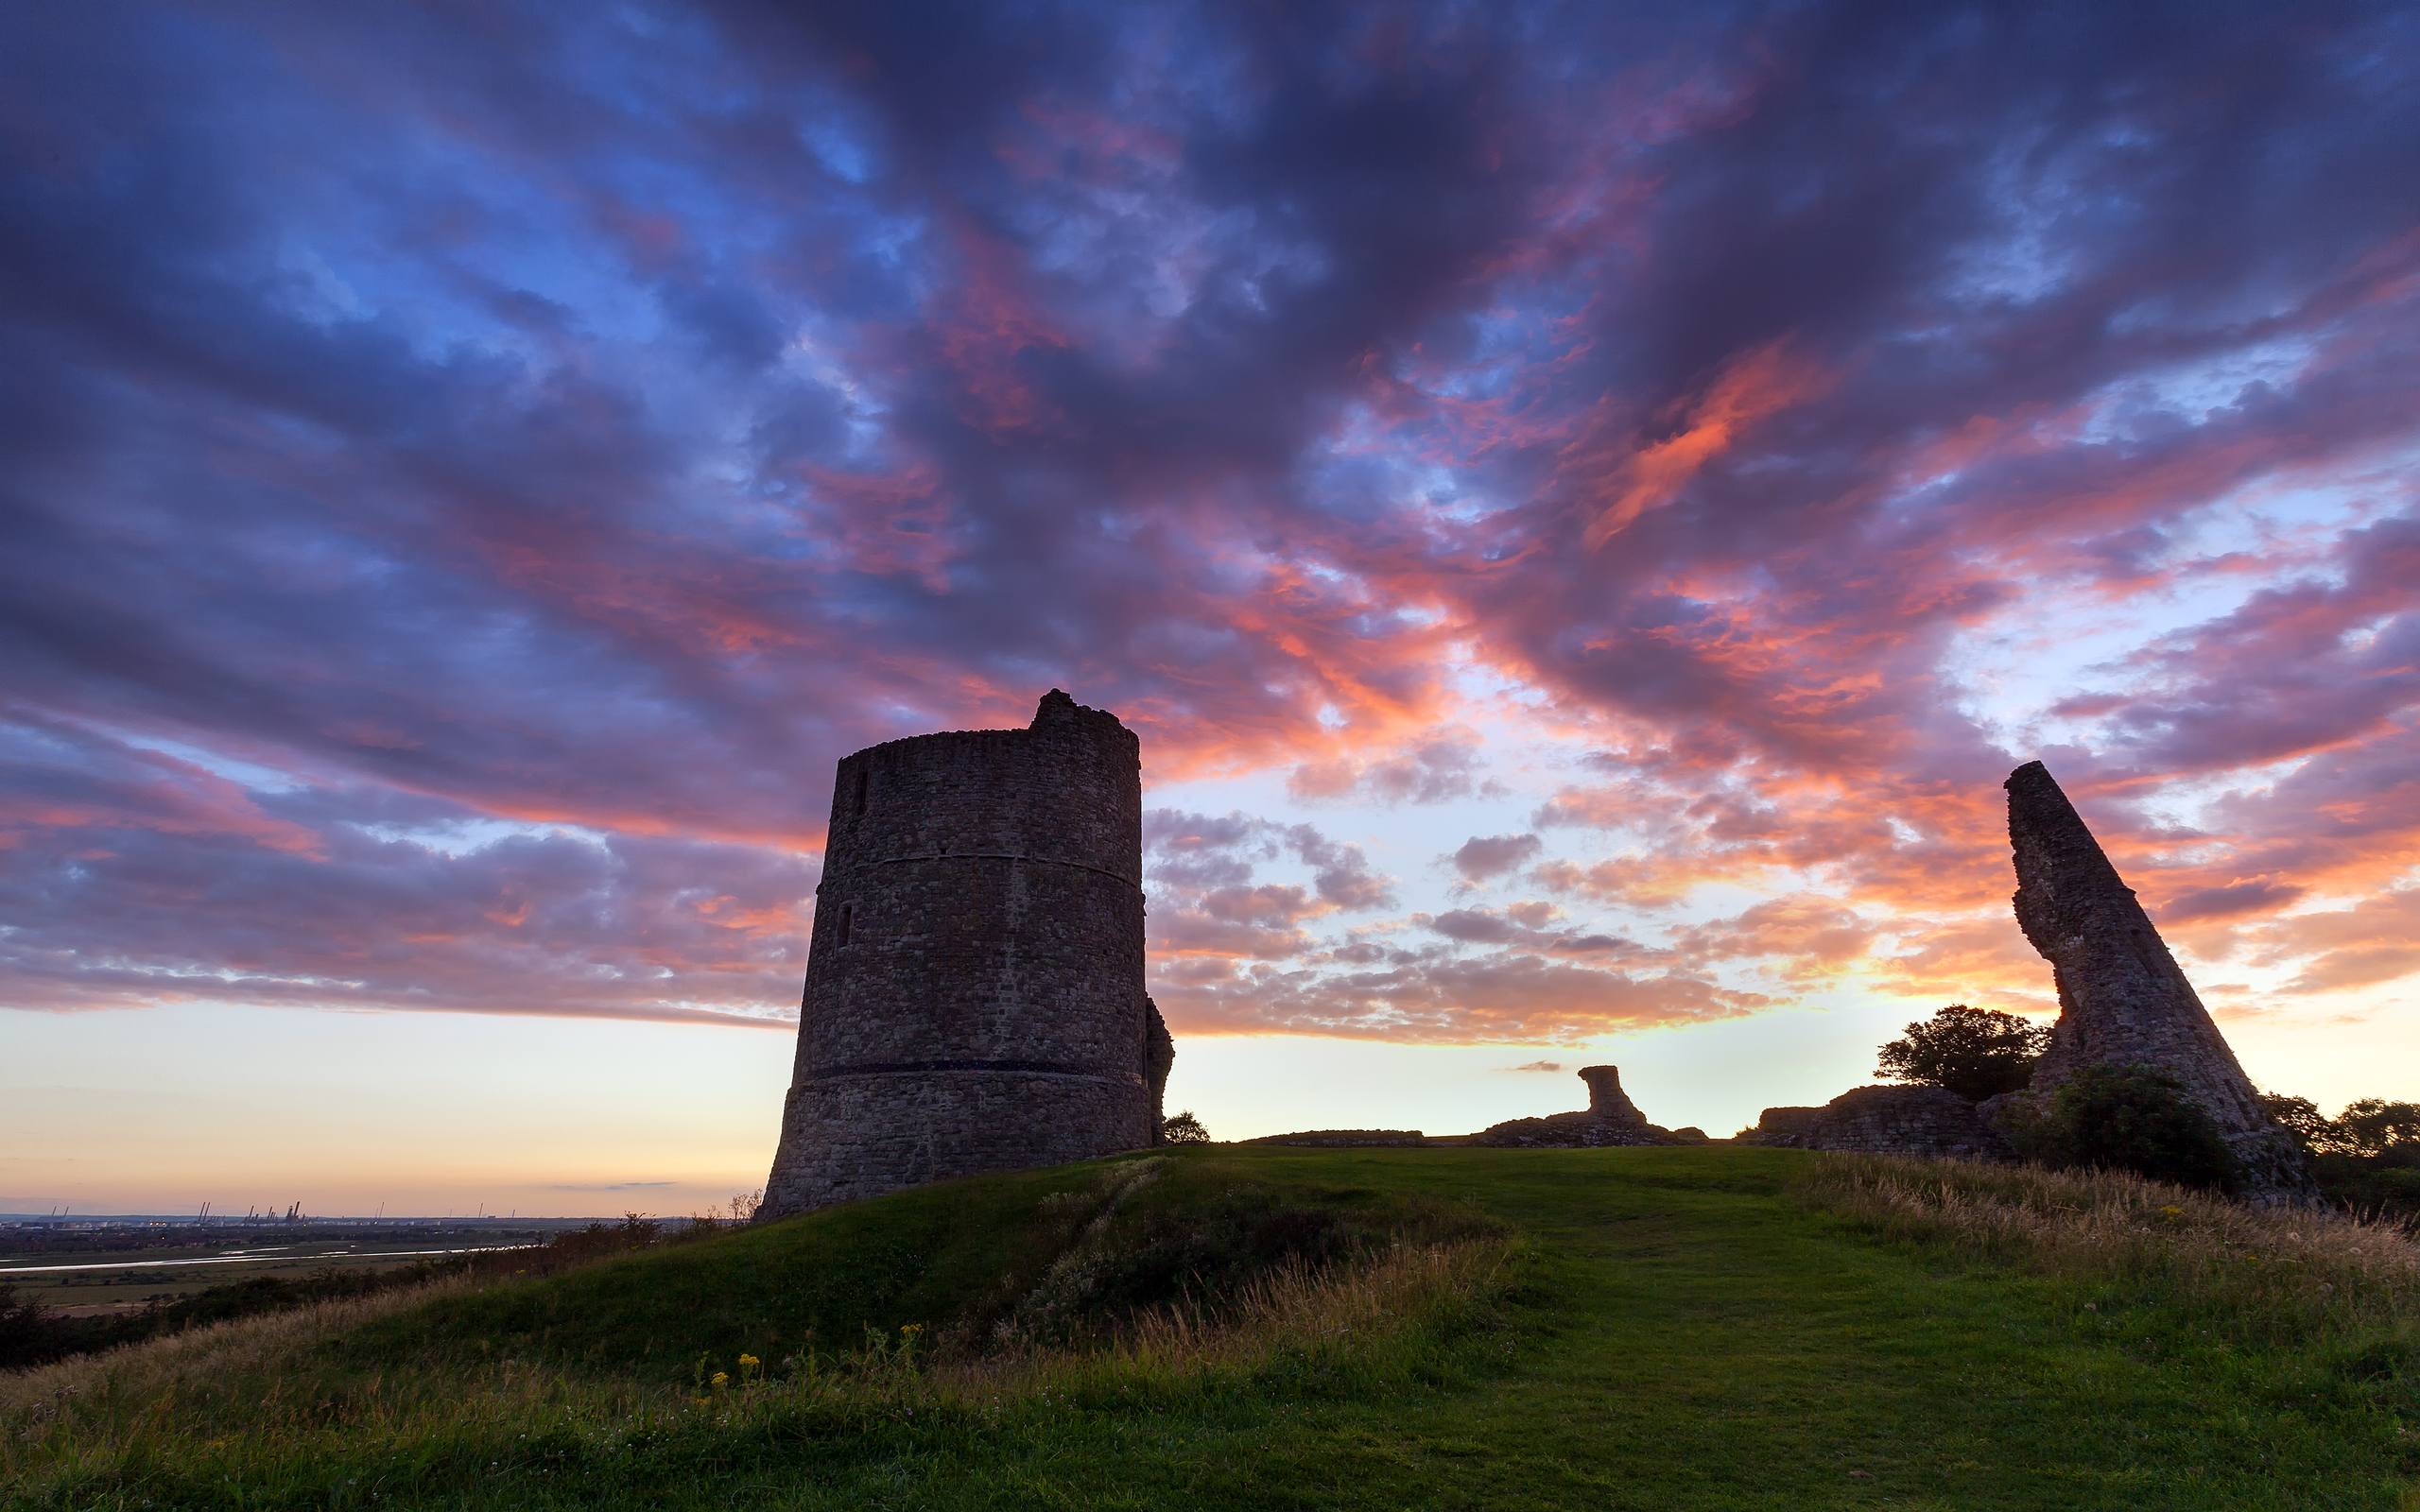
1296, 1328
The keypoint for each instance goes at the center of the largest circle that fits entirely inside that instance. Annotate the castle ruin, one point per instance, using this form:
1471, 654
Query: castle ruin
1611, 1118
2122, 999
1607, 1102
974, 995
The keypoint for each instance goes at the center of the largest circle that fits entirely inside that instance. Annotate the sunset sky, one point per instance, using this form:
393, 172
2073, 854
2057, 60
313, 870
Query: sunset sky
1582, 505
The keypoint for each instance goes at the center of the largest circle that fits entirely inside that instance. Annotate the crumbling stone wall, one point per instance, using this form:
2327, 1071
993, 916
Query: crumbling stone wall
1920, 1121
2122, 998
1159, 1057
974, 996
1780, 1125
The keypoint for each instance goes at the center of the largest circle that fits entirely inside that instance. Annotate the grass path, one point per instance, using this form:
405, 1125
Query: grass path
1688, 1338
1704, 1345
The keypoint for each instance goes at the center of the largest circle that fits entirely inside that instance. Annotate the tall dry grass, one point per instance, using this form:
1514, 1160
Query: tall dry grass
1296, 1312
2280, 1274
270, 1401
189, 1363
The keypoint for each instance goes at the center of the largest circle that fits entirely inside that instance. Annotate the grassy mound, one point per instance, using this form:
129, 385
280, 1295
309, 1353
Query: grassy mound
1129, 1279
1053, 1257
1638, 1328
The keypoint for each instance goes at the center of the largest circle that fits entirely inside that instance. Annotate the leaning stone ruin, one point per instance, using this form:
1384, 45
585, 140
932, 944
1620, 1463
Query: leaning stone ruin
1611, 1118
975, 993
2122, 999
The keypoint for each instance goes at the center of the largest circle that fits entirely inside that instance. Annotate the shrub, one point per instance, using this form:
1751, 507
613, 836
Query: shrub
31, 1335
1184, 1128
2129, 1118
1975, 1052
1184, 1244
2386, 1186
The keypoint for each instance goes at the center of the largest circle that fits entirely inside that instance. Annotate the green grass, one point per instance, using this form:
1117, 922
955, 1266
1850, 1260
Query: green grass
1657, 1328
955, 1259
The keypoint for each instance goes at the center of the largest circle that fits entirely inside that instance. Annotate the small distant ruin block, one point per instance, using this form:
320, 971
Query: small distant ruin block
1606, 1099
2122, 999
1611, 1118
974, 996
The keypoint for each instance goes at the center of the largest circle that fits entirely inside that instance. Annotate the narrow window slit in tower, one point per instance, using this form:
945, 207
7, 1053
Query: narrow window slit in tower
848, 919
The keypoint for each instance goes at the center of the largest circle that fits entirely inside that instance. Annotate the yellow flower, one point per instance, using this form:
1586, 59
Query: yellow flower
721, 1378
911, 1330
749, 1360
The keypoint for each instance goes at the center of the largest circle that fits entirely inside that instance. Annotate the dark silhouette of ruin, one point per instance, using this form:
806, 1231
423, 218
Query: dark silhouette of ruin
1611, 1118
2124, 1001
974, 996
1607, 1102
1926, 1121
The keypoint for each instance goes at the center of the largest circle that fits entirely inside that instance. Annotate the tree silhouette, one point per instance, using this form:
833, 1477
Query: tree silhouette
1975, 1052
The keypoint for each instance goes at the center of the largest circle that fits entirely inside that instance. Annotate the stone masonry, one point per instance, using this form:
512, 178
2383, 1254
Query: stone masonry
2122, 999
1611, 1118
974, 994
1606, 1099
1780, 1125
1921, 1120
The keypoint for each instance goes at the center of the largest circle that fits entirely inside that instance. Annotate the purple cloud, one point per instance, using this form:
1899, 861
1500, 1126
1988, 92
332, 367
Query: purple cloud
466, 480
1483, 858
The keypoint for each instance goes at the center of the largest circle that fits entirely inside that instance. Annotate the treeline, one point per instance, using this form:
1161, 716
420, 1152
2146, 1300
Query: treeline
2366, 1157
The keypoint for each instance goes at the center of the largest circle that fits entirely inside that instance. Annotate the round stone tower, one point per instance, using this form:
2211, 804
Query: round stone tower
974, 980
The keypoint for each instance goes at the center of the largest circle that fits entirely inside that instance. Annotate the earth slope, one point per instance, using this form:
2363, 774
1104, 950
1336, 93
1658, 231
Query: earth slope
1638, 1328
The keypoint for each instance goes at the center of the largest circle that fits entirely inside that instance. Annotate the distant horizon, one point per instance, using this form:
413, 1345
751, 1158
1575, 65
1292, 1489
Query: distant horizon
170, 1216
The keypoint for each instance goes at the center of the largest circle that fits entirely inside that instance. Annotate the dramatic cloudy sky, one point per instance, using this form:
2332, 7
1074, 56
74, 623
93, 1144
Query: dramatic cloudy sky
1582, 506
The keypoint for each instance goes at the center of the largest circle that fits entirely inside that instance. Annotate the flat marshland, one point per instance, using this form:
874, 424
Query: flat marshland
1270, 1327
104, 1272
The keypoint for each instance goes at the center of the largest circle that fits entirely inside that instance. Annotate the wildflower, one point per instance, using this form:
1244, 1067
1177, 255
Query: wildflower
911, 1330
748, 1362
721, 1378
